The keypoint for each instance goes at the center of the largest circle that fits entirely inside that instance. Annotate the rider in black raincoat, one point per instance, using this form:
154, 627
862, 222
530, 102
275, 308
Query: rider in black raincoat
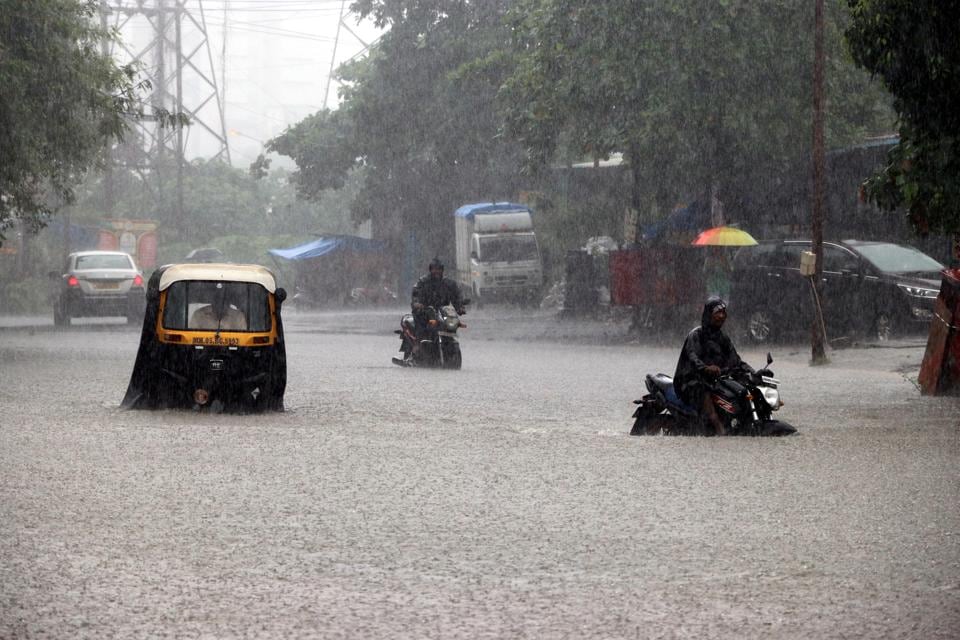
433, 290
707, 351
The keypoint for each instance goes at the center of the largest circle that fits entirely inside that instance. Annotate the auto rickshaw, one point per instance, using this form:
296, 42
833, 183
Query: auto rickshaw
212, 338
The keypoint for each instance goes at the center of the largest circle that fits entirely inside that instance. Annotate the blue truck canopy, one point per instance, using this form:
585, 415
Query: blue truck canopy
470, 210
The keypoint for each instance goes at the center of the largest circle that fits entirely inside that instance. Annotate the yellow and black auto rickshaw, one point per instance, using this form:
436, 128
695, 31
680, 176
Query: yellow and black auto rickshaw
212, 338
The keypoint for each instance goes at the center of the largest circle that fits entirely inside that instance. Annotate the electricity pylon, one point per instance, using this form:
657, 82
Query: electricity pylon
167, 40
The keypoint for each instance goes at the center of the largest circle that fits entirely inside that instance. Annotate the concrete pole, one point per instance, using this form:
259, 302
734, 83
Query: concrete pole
818, 339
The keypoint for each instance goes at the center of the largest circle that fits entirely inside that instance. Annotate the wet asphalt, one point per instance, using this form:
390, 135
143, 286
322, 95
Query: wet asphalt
505, 500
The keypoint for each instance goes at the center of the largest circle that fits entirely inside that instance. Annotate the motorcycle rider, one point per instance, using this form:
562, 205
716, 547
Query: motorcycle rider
433, 290
706, 352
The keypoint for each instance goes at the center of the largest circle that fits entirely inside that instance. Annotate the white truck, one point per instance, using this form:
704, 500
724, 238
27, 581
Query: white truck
497, 253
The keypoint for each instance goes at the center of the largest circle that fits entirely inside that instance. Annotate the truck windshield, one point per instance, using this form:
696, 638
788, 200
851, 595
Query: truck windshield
508, 249
227, 306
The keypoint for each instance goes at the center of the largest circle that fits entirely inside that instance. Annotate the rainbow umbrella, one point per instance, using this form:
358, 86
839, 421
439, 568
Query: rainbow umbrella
725, 237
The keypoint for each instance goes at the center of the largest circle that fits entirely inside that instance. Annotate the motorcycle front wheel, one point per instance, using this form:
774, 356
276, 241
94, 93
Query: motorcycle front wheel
776, 428
452, 359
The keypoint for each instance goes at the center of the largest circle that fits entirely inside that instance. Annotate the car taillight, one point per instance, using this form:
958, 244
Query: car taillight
73, 282
138, 281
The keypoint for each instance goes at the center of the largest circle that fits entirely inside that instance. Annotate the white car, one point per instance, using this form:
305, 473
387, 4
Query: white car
100, 283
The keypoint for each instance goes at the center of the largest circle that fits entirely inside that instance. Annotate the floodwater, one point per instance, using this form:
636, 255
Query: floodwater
505, 500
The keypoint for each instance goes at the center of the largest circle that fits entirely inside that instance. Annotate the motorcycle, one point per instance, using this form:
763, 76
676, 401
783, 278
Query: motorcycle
438, 346
745, 402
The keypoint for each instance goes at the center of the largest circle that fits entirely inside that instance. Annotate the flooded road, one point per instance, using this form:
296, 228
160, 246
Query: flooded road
504, 500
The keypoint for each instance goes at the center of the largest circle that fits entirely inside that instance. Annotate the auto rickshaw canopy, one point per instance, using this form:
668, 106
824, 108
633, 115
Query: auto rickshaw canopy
252, 273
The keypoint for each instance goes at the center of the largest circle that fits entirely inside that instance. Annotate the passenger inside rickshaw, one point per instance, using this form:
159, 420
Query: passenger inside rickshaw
223, 306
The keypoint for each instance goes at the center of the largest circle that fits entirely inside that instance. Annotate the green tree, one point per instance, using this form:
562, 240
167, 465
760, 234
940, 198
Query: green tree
62, 101
699, 96
220, 200
912, 46
419, 118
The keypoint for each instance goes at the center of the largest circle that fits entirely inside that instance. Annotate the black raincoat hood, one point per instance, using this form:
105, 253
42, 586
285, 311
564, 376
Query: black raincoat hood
712, 304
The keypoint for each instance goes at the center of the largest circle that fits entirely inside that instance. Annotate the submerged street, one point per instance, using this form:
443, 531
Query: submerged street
503, 500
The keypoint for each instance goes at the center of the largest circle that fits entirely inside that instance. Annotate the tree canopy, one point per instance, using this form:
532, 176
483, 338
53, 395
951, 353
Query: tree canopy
464, 100
418, 116
696, 94
912, 46
62, 101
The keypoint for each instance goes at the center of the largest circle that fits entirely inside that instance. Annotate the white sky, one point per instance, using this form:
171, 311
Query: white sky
271, 60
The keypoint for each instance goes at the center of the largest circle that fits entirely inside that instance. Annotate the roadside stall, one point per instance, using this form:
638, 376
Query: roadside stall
659, 281
329, 268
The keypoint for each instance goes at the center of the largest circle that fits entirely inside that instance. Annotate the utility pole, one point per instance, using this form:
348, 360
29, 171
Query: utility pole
109, 197
818, 352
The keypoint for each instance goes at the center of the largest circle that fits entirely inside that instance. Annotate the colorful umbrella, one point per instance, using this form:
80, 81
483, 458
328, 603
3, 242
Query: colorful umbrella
725, 237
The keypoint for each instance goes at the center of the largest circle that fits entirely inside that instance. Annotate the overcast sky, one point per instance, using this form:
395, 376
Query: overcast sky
270, 59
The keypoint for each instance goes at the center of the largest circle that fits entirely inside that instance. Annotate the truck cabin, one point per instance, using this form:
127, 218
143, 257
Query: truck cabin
519, 247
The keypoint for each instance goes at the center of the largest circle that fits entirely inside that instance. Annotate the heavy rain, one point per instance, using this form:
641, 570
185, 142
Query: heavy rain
329, 319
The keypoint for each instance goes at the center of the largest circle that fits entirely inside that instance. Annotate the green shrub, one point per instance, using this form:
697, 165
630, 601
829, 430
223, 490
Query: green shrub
31, 295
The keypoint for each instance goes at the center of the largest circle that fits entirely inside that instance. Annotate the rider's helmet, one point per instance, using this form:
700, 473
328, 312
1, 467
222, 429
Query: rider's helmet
436, 268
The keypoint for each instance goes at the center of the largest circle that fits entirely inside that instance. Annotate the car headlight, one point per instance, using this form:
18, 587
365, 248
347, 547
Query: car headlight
772, 397
918, 292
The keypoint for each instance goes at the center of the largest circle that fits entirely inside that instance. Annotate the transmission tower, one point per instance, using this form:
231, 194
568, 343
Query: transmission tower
341, 25
167, 40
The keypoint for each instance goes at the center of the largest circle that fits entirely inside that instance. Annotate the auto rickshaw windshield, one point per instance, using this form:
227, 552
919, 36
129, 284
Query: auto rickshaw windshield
209, 305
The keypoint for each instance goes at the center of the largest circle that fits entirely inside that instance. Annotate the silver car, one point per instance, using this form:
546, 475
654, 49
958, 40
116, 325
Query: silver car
100, 283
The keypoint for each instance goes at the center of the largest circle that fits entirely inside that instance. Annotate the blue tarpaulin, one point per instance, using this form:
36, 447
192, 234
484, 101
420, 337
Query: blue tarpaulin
327, 245
470, 210
691, 218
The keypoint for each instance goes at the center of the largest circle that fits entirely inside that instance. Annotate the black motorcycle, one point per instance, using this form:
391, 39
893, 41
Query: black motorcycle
745, 401
438, 345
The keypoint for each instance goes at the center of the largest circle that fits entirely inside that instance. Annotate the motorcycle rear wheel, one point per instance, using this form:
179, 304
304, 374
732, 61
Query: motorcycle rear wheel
651, 425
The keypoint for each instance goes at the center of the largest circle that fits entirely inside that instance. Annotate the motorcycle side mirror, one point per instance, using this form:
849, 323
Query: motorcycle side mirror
769, 359
281, 294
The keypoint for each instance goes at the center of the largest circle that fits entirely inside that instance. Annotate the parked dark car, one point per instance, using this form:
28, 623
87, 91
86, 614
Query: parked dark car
870, 289
99, 283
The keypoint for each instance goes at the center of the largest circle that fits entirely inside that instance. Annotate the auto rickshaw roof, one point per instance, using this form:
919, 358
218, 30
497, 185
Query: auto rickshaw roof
253, 273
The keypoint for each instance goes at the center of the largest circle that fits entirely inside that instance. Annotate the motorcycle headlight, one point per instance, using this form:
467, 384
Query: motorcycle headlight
772, 397
451, 324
